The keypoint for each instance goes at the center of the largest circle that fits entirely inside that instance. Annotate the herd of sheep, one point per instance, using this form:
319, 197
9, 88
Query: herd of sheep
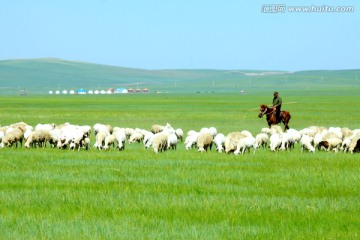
161, 138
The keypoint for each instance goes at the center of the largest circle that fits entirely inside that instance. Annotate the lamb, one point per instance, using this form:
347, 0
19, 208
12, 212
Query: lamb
39, 137
231, 141
219, 141
306, 143
204, 141
172, 141
160, 142
245, 143
14, 136
261, 139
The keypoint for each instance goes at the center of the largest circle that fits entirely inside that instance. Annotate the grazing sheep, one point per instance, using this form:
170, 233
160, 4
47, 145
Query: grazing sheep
109, 140
191, 140
354, 145
231, 141
245, 143
266, 130
287, 141
120, 137
100, 139
219, 141
204, 141
172, 141
345, 144
306, 143
261, 139
102, 127
47, 126
156, 128
148, 139
331, 144
275, 141
14, 136
246, 133
179, 133
160, 142
38, 137
296, 135
136, 137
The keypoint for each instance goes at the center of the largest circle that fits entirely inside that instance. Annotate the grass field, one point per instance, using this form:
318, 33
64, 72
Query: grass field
136, 194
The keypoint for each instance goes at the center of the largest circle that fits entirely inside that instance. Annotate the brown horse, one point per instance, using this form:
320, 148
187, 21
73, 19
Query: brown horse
271, 116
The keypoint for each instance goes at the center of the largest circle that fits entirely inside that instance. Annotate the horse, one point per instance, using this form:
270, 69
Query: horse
271, 116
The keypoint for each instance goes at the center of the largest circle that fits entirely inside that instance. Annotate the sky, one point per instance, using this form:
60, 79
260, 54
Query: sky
184, 34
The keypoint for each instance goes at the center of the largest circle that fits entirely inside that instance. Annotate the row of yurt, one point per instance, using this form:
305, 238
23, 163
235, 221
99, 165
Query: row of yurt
109, 91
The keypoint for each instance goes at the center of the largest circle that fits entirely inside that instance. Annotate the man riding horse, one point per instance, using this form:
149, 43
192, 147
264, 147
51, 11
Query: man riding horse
273, 114
277, 101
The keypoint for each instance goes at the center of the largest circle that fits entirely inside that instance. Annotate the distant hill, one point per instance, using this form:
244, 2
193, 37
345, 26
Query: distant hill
38, 76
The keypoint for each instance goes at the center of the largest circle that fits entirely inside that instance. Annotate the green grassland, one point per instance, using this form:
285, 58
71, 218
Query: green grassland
182, 194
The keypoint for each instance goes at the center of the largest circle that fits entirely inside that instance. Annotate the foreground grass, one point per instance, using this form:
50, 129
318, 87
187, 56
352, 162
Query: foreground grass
136, 194
179, 194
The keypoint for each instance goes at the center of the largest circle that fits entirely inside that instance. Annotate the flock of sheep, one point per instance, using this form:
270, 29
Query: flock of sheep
161, 138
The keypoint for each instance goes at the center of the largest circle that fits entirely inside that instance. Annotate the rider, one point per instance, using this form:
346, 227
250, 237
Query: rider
277, 101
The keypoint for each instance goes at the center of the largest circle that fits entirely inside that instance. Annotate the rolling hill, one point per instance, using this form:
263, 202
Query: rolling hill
38, 76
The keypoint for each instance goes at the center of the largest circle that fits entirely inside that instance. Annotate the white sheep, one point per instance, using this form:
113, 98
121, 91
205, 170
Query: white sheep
287, 141
231, 141
179, 133
331, 144
100, 139
191, 140
204, 141
160, 142
46, 126
109, 140
219, 141
156, 128
120, 137
275, 141
296, 135
39, 137
346, 144
136, 137
306, 142
13, 137
172, 141
245, 143
261, 140
148, 139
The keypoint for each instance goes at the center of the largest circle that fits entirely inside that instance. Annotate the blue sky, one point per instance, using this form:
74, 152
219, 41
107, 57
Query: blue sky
187, 34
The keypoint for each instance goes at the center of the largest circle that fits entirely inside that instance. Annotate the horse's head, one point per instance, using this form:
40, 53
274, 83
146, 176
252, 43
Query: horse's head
263, 110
